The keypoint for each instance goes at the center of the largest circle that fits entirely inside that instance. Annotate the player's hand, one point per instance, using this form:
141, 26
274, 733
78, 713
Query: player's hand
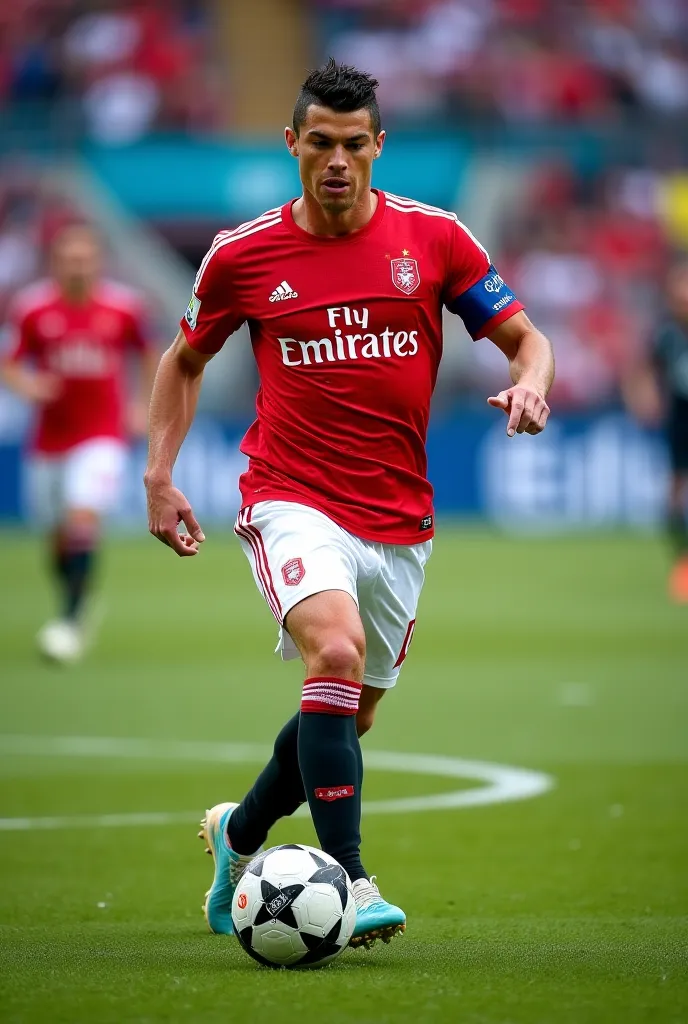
526, 408
167, 508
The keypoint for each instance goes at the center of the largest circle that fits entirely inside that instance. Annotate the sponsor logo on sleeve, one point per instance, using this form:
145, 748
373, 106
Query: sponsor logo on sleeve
494, 283
192, 311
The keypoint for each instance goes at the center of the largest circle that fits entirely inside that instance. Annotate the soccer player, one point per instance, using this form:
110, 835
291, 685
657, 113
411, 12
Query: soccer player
69, 340
657, 391
343, 290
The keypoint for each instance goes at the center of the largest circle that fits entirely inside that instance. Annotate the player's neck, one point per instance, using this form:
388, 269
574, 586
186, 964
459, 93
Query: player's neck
76, 295
309, 215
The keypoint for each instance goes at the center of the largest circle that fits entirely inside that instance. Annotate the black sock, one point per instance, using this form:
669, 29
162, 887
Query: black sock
276, 793
677, 528
75, 573
332, 768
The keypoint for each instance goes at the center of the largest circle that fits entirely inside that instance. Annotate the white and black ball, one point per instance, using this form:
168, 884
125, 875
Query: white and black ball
294, 907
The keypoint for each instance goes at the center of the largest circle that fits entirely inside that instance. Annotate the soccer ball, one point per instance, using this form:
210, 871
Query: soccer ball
294, 907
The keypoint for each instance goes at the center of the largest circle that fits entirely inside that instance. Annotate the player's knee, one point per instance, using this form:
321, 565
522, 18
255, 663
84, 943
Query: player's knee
340, 656
80, 529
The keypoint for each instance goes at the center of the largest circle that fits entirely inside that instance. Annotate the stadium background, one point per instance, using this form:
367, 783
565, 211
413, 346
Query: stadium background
559, 132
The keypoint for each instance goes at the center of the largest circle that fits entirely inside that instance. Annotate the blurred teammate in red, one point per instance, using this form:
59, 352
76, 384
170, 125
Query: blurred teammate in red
70, 337
343, 290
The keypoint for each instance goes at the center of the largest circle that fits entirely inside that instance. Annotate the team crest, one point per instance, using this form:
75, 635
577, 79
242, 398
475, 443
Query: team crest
405, 274
293, 572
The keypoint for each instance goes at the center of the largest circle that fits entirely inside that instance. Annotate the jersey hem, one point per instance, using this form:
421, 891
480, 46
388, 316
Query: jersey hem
405, 540
36, 448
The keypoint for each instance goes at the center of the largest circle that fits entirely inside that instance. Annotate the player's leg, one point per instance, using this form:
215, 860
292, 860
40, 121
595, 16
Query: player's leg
279, 791
678, 531
294, 553
388, 603
90, 483
328, 632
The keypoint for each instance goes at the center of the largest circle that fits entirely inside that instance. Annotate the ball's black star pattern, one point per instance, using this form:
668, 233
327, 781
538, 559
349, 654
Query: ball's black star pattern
318, 860
245, 937
319, 948
257, 864
333, 874
277, 904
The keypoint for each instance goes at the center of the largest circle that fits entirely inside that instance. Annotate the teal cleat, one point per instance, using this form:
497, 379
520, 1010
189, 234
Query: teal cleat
229, 867
375, 918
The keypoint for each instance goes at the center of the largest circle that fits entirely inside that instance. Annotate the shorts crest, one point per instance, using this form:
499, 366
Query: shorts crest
293, 572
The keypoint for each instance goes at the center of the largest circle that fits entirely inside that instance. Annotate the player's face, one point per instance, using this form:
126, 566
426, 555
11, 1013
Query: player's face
76, 259
335, 153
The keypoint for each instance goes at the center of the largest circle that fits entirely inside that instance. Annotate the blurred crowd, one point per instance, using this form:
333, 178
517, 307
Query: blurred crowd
516, 60
588, 257
115, 69
586, 250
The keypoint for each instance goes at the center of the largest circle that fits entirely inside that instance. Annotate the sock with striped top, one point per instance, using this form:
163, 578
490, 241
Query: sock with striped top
332, 767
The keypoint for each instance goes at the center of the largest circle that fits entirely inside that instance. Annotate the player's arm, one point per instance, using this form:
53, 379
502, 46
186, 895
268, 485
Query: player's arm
174, 397
476, 292
641, 383
211, 316
16, 372
531, 365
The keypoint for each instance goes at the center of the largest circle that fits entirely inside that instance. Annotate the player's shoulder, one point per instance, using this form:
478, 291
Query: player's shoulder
120, 296
34, 297
251, 234
432, 220
433, 215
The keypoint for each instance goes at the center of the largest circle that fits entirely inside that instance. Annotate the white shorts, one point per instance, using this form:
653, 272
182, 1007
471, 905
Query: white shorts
296, 551
88, 476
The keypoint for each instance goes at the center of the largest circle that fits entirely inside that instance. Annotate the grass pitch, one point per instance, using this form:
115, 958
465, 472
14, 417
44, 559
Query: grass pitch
560, 655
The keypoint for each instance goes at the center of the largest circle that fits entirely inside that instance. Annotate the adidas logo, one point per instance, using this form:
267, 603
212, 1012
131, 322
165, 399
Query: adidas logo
283, 291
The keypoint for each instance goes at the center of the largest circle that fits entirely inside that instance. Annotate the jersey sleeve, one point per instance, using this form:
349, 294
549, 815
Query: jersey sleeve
474, 289
212, 314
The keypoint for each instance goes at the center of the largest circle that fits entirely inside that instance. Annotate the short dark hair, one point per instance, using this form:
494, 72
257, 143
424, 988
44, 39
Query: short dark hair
340, 87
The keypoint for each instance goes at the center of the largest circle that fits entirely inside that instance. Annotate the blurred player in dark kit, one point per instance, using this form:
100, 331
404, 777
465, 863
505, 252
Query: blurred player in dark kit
70, 338
657, 391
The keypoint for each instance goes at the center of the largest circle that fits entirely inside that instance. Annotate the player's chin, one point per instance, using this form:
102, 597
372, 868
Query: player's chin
337, 204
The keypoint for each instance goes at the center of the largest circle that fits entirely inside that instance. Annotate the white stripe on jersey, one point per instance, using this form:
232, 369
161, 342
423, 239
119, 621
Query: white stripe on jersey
403, 205
222, 236
232, 237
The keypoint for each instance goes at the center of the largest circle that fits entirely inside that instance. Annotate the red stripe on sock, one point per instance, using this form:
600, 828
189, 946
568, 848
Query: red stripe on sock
328, 695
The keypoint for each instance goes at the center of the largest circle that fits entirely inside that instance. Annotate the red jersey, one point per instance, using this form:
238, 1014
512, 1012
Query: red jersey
347, 336
85, 346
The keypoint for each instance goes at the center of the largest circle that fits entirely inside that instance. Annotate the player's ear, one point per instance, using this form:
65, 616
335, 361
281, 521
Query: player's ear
379, 143
292, 141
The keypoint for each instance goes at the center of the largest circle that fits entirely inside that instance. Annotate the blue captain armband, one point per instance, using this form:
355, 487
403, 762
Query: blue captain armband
483, 301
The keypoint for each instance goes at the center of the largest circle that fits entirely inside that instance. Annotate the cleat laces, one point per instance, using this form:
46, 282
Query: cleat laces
366, 893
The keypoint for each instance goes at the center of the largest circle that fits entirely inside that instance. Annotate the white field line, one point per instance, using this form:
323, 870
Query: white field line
502, 783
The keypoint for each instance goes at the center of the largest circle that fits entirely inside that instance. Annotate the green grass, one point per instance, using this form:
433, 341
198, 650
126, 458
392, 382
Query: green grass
561, 655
